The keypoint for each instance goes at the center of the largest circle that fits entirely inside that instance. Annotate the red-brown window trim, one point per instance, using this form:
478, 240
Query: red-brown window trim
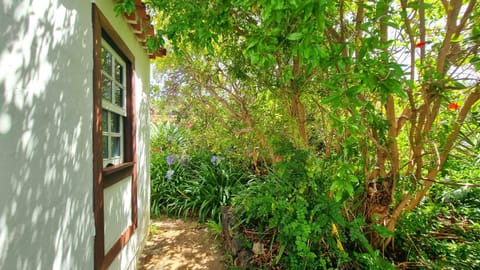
113, 175
115, 169
105, 177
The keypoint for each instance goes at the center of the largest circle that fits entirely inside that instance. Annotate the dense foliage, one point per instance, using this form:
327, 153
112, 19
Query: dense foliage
442, 234
188, 182
367, 107
294, 214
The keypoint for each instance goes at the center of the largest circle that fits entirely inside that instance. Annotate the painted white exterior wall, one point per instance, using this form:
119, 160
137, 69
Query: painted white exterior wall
46, 108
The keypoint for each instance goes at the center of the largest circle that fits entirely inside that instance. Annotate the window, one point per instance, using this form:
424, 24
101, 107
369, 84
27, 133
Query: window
114, 109
114, 141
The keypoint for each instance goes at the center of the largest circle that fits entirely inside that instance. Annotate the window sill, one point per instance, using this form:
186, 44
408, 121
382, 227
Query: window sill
114, 174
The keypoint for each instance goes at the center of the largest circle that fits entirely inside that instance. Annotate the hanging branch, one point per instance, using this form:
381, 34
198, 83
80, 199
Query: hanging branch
468, 185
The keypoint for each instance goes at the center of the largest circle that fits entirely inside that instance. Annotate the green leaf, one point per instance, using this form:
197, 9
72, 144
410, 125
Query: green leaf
391, 24
352, 178
277, 4
476, 62
349, 188
280, 253
127, 6
335, 100
295, 36
383, 231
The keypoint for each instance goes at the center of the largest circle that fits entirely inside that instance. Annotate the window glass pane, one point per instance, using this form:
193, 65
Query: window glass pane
105, 147
104, 121
107, 88
115, 146
118, 96
118, 72
113, 87
106, 61
115, 122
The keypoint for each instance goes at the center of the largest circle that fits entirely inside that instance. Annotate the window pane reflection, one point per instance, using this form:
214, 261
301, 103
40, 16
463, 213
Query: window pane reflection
115, 123
106, 89
118, 72
115, 146
118, 96
106, 61
105, 147
104, 121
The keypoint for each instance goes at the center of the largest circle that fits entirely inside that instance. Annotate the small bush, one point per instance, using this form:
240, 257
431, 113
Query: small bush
292, 213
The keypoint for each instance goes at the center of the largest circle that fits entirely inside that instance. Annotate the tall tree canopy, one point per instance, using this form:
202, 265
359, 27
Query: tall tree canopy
386, 86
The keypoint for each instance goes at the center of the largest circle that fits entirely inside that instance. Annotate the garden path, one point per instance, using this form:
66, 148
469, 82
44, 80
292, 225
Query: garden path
179, 244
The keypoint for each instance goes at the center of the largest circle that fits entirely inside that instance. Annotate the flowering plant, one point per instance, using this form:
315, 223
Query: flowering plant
169, 174
216, 159
420, 44
452, 106
171, 159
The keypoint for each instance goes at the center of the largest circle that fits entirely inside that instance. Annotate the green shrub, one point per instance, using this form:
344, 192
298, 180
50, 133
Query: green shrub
198, 186
166, 190
216, 181
443, 232
293, 202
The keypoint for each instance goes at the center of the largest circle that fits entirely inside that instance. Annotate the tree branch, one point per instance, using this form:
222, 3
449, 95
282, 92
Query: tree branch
451, 183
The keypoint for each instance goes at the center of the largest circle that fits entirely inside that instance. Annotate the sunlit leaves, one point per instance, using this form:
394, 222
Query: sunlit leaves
295, 36
126, 6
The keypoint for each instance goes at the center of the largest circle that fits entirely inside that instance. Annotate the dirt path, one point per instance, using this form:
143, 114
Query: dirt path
179, 244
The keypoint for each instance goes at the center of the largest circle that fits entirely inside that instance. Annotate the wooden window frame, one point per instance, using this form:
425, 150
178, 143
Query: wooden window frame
105, 177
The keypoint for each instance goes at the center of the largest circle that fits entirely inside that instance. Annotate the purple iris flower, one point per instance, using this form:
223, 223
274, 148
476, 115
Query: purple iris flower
169, 174
216, 159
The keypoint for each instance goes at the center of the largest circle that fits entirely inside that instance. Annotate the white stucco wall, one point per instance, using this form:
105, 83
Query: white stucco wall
46, 99
46, 219
117, 211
